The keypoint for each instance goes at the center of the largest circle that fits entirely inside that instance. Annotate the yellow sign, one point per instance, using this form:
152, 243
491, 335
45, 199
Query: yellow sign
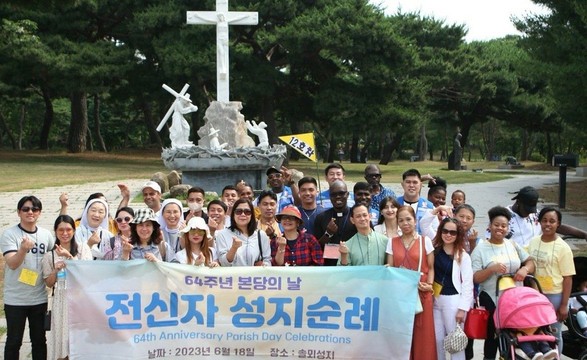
302, 143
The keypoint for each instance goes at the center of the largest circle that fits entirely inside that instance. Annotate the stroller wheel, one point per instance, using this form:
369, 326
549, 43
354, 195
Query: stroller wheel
583, 355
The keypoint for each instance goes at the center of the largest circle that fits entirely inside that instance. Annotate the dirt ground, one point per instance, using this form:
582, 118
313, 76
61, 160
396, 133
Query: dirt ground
576, 199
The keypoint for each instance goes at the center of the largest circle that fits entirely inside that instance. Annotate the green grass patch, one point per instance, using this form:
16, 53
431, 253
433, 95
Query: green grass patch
392, 173
2, 329
35, 170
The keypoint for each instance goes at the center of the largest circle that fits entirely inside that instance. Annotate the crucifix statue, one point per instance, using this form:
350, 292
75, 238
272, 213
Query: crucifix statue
179, 131
222, 18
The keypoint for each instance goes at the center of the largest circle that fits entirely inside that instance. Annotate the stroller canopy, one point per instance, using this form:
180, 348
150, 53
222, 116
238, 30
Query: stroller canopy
523, 307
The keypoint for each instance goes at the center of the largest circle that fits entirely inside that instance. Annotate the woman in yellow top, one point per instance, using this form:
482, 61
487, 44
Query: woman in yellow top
554, 266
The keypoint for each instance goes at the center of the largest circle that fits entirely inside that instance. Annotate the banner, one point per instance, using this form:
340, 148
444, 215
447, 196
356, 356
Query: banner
142, 310
302, 143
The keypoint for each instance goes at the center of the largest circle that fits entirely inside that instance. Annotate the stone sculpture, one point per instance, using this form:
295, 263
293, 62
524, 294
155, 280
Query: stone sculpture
179, 131
259, 131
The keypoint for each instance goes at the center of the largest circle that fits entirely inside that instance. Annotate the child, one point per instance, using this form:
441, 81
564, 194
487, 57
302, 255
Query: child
465, 213
457, 198
534, 350
580, 309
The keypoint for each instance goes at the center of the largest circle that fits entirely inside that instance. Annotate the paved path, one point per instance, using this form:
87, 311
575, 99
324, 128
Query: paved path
482, 196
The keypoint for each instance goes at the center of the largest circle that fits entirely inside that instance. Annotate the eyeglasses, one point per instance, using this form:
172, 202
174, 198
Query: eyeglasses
373, 175
449, 232
26, 209
246, 212
274, 176
125, 219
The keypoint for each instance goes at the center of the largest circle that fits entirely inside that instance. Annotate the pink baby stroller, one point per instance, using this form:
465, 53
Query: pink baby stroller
524, 308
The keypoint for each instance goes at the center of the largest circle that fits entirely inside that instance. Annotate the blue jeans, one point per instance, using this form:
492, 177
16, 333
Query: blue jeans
16, 317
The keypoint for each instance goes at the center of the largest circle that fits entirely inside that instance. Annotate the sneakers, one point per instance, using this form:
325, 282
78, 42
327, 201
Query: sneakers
548, 353
530, 356
551, 354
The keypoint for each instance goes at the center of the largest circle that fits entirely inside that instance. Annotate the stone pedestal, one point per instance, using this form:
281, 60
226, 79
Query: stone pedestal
212, 170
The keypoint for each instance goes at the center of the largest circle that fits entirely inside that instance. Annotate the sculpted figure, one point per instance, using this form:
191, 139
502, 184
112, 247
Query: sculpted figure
179, 131
214, 143
259, 131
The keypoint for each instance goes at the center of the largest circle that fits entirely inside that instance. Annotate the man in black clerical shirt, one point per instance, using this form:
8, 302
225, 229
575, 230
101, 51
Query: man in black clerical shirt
334, 225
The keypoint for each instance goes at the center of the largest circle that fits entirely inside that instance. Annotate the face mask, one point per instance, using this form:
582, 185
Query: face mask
195, 206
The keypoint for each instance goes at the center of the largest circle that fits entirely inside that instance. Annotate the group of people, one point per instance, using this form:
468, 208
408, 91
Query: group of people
293, 224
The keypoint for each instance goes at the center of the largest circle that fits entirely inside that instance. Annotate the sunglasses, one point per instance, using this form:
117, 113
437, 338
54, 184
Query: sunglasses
246, 212
449, 232
274, 176
34, 209
125, 219
288, 218
198, 232
373, 175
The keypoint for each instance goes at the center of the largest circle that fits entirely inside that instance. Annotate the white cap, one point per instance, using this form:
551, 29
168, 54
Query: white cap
196, 223
153, 185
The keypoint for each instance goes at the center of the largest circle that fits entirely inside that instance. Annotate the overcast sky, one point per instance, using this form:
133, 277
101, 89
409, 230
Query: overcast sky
485, 19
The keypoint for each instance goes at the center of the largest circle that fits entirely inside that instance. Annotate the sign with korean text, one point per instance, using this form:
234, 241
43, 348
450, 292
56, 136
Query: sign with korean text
302, 143
142, 310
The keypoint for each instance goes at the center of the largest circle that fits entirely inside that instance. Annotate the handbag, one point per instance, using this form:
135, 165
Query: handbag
456, 340
476, 323
419, 307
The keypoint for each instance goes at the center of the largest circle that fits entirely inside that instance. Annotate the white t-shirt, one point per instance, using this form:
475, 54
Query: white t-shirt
17, 293
522, 230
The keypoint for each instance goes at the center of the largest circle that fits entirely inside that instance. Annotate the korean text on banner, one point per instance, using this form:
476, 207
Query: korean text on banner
142, 310
302, 143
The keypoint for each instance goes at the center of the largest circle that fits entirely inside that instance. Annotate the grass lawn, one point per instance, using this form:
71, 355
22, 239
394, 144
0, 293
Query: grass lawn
60, 168
392, 173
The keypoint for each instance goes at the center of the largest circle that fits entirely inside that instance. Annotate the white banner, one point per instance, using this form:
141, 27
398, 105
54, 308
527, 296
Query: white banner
142, 310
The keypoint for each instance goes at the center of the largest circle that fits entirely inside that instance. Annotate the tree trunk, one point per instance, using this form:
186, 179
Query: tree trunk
466, 124
331, 149
525, 145
549, 150
154, 137
48, 119
99, 137
7, 131
21, 125
391, 144
354, 152
78, 127
423, 144
365, 150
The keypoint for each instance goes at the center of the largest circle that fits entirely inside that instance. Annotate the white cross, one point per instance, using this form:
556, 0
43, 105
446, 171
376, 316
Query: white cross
222, 18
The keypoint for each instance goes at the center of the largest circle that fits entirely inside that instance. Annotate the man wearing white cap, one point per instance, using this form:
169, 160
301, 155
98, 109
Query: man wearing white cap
152, 196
